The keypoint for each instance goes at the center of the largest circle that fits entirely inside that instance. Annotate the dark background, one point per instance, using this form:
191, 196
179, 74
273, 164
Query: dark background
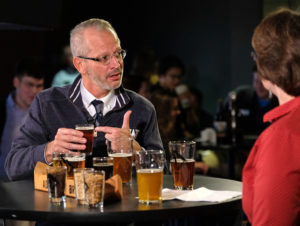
213, 38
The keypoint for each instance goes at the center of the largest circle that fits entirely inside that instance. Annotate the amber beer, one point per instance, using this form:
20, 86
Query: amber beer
150, 183
88, 133
122, 165
183, 173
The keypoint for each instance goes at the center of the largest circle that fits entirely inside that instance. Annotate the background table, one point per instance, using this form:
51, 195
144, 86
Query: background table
20, 201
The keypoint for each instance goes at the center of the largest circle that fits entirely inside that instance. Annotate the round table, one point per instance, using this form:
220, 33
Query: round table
20, 201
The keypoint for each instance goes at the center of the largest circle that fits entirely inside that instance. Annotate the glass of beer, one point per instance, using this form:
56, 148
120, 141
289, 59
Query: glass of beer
149, 168
121, 151
182, 163
105, 164
71, 160
56, 182
88, 130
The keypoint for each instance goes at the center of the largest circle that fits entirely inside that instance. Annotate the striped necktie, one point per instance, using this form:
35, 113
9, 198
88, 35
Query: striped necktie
98, 104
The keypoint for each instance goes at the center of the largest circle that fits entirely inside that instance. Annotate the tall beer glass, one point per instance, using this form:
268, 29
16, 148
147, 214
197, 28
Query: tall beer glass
88, 133
121, 151
182, 163
149, 168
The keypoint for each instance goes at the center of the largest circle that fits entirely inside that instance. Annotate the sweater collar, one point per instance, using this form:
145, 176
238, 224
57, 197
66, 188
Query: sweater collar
75, 95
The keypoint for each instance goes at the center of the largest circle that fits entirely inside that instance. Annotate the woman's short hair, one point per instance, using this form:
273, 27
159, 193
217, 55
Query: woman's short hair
276, 41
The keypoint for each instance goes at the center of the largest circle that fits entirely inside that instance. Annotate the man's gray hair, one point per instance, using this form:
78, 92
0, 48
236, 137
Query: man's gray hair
77, 41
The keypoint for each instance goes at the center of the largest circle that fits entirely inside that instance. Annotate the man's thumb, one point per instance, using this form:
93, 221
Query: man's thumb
126, 119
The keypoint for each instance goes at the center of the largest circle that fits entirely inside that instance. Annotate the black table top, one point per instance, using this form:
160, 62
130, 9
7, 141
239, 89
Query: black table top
20, 201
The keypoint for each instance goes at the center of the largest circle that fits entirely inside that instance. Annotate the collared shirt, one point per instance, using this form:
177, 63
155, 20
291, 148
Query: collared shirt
271, 175
109, 100
15, 118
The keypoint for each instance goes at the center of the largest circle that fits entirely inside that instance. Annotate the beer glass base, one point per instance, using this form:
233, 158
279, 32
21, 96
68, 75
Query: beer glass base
82, 202
57, 201
98, 205
184, 188
149, 202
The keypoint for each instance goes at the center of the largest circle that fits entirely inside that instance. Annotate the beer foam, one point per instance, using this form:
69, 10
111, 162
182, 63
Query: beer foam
120, 155
85, 127
181, 161
149, 170
75, 159
102, 164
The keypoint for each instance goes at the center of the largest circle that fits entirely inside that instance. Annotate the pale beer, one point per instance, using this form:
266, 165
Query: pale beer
183, 173
150, 183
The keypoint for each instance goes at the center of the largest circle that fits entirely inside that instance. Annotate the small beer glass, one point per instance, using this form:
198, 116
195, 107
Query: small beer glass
56, 181
182, 163
121, 151
105, 164
94, 181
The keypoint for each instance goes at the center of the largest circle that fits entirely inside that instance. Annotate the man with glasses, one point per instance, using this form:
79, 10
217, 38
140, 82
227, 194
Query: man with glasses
28, 81
96, 96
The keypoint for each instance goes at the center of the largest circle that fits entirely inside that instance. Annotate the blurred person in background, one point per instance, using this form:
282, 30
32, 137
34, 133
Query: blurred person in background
252, 102
68, 73
170, 128
170, 71
28, 81
271, 176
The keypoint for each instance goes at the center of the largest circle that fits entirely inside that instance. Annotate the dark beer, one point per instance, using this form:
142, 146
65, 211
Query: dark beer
88, 133
107, 167
183, 173
105, 164
56, 180
71, 161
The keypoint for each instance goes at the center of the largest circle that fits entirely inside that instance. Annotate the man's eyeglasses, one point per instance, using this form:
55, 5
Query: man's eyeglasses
119, 55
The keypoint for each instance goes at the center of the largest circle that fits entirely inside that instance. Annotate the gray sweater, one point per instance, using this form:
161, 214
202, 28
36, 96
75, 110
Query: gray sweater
62, 107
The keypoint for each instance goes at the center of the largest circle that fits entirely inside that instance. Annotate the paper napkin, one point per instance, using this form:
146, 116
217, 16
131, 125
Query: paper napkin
200, 194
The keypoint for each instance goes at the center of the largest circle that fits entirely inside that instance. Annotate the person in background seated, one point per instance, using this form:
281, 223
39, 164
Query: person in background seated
28, 81
68, 74
203, 118
168, 110
252, 103
271, 176
170, 71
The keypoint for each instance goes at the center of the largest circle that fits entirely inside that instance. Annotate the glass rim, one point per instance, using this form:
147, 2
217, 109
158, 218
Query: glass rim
181, 142
85, 126
56, 167
121, 138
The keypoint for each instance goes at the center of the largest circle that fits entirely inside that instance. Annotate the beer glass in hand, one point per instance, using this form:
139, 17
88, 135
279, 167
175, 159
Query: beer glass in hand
88, 133
182, 163
149, 169
121, 151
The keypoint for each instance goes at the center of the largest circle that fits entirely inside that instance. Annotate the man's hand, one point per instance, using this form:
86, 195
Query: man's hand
65, 141
113, 133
